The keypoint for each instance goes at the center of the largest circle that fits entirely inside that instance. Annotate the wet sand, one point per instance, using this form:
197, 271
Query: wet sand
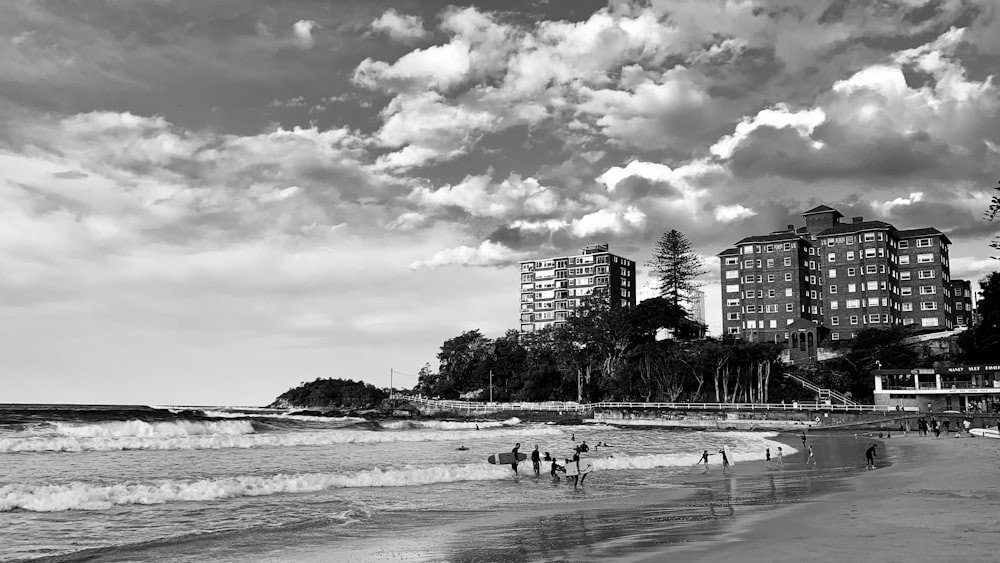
938, 501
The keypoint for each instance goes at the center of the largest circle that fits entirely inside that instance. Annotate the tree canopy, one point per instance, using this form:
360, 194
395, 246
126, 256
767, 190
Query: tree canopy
981, 343
676, 265
333, 393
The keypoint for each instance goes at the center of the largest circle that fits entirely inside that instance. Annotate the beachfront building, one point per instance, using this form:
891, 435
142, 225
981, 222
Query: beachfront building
961, 302
553, 288
839, 276
959, 388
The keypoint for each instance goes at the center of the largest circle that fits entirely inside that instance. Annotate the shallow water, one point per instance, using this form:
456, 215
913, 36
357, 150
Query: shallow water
222, 485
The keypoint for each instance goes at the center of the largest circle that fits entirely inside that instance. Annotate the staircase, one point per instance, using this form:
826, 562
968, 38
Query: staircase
822, 395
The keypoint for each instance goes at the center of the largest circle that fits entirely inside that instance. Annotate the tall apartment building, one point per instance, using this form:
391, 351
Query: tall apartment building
553, 288
843, 276
961, 302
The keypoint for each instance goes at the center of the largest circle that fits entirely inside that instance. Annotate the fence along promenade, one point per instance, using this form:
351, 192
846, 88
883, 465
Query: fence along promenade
569, 406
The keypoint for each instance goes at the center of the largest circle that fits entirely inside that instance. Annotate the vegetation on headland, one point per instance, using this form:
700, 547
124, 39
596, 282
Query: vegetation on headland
341, 394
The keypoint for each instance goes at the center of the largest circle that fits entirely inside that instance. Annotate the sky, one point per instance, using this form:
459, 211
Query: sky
210, 202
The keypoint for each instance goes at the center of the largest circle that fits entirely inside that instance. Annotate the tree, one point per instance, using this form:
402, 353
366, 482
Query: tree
981, 343
991, 214
676, 265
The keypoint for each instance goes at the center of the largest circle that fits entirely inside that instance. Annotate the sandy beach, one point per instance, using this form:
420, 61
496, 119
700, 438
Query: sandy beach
938, 501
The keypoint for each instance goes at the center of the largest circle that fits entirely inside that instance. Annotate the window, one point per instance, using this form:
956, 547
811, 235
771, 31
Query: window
732, 302
760, 278
928, 306
747, 279
748, 263
904, 276
869, 253
853, 303
772, 323
770, 293
871, 269
925, 258
732, 316
835, 335
730, 261
758, 263
904, 260
769, 248
929, 321
788, 246
833, 289
907, 307
871, 286
904, 244
851, 288
734, 330
869, 237
788, 261
732, 288
789, 307
923, 242
925, 274
770, 262
873, 301
927, 290
959, 306
834, 305
788, 292
874, 318
831, 257
851, 272
850, 240
770, 278
835, 321
788, 276
906, 290
812, 265
732, 274
850, 255
854, 319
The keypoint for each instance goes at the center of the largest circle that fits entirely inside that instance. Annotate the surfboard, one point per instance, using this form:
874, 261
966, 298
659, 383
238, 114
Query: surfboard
729, 456
586, 466
506, 458
985, 432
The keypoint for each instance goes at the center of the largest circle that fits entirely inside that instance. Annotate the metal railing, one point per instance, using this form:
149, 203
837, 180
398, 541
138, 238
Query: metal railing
821, 391
555, 406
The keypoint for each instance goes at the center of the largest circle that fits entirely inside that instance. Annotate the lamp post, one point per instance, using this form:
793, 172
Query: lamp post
491, 386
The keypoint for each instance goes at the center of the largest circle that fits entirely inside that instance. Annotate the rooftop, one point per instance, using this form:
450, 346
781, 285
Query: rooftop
773, 237
924, 232
842, 228
823, 209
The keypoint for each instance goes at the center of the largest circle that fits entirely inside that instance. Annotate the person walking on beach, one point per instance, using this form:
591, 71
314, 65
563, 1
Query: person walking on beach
513, 465
704, 459
803, 439
536, 462
767, 456
811, 457
870, 455
781, 464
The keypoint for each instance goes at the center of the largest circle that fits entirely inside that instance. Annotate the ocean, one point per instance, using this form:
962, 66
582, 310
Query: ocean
107, 483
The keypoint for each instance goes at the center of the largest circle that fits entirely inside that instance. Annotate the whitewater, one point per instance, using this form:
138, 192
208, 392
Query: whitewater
96, 484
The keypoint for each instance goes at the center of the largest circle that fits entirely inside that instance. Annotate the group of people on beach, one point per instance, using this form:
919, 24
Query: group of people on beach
554, 467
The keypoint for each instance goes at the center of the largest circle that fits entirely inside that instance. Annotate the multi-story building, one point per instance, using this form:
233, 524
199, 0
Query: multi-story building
841, 276
553, 288
925, 279
961, 302
696, 306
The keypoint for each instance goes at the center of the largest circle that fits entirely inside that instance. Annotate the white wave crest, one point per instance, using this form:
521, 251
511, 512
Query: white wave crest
86, 496
269, 439
142, 429
449, 424
282, 416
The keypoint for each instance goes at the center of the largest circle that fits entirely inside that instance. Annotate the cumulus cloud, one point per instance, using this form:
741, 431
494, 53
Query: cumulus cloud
486, 254
609, 222
400, 27
302, 30
730, 213
479, 197
803, 122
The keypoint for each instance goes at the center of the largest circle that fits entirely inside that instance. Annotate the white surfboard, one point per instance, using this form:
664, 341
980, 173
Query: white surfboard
985, 432
586, 466
729, 456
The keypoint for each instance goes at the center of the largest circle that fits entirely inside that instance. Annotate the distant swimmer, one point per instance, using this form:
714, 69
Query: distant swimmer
462, 448
477, 427
535, 460
870, 455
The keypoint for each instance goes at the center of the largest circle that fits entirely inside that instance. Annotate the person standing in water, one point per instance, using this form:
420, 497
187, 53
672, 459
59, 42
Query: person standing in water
781, 464
536, 461
811, 457
725, 461
513, 465
704, 459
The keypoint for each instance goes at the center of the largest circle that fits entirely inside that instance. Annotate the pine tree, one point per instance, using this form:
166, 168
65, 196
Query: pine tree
676, 265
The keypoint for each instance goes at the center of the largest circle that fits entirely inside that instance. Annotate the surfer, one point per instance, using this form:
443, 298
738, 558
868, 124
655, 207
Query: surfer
576, 460
554, 467
513, 465
704, 459
811, 457
584, 447
535, 460
725, 461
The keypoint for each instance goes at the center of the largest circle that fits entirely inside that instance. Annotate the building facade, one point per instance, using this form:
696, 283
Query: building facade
961, 302
964, 389
553, 288
842, 276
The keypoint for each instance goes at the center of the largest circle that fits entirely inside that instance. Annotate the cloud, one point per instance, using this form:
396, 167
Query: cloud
302, 30
609, 221
731, 213
479, 197
803, 122
400, 27
486, 254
